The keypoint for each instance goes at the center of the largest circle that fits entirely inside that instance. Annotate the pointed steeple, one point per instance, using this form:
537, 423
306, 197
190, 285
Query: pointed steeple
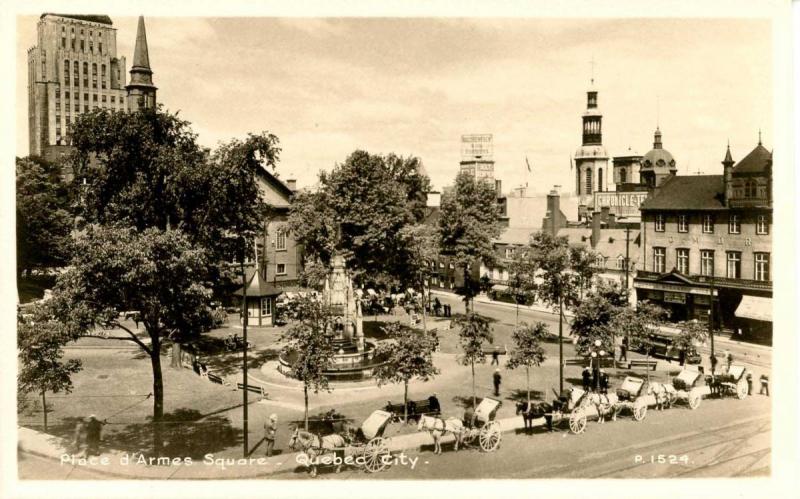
728, 161
141, 57
657, 139
141, 91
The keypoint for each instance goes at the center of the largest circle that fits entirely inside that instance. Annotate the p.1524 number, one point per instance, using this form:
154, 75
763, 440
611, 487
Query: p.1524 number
661, 459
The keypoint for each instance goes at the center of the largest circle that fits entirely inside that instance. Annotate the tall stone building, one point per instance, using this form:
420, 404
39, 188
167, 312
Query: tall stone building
73, 69
591, 158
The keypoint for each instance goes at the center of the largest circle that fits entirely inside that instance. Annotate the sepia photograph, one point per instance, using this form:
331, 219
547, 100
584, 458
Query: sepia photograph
427, 246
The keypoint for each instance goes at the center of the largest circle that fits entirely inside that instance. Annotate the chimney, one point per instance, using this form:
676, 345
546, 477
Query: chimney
291, 184
596, 223
612, 221
498, 187
553, 222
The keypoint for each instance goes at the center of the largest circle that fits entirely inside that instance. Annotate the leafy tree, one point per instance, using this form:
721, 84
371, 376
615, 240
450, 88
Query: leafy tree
521, 284
409, 355
360, 209
473, 332
691, 333
594, 316
422, 243
309, 346
158, 273
528, 351
638, 325
40, 342
43, 219
557, 285
467, 225
582, 264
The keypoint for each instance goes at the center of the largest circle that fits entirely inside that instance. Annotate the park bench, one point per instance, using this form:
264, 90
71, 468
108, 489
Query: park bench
649, 364
574, 361
416, 408
257, 389
584, 361
214, 378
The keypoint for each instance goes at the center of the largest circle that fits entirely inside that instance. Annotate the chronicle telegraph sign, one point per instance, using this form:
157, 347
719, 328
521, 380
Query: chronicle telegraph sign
620, 203
476, 146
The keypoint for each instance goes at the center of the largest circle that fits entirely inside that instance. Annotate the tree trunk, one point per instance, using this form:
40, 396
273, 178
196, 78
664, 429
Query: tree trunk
44, 410
472, 363
560, 345
305, 398
405, 402
528, 384
158, 392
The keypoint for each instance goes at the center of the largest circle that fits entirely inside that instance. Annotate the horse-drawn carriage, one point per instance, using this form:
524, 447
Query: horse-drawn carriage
483, 428
414, 409
684, 388
365, 447
732, 382
632, 396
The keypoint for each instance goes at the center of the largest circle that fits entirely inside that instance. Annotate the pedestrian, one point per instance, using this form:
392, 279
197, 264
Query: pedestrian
764, 385
93, 429
437, 306
586, 375
447, 310
749, 379
623, 349
79, 437
497, 378
681, 356
603, 381
713, 360
495, 356
433, 405
728, 359
270, 430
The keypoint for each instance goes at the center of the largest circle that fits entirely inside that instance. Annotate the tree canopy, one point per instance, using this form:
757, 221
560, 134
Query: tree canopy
594, 319
360, 209
43, 219
528, 350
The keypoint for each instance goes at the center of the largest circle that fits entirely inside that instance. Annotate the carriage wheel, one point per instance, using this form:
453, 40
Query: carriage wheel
490, 437
577, 421
639, 412
374, 455
741, 390
694, 401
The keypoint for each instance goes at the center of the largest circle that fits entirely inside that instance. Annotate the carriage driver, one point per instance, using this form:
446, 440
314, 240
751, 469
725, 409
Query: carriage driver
469, 417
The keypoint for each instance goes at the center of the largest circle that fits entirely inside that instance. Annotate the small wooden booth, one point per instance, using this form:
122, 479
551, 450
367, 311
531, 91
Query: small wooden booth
260, 301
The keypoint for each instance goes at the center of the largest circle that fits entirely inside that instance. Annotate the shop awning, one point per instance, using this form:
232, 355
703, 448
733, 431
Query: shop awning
755, 307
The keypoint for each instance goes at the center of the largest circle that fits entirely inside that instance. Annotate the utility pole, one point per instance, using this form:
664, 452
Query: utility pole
245, 446
627, 257
711, 321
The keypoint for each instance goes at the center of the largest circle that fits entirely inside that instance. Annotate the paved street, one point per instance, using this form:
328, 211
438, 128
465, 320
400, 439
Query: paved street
721, 438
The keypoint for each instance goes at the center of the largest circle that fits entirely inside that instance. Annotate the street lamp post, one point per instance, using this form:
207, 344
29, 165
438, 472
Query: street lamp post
597, 354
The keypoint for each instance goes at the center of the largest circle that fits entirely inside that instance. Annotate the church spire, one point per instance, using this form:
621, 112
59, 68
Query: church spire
141, 91
657, 139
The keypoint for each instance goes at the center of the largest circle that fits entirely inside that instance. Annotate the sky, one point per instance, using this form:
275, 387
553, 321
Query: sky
413, 86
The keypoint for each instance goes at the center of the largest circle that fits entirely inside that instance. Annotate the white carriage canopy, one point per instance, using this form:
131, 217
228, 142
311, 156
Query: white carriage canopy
756, 308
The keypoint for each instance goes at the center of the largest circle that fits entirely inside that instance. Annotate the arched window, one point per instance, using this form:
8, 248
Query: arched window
588, 181
600, 262
621, 262
600, 179
750, 189
623, 176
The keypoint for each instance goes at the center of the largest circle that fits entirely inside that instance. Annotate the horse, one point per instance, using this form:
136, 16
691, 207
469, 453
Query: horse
533, 410
664, 394
605, 404
314, 446
438, 427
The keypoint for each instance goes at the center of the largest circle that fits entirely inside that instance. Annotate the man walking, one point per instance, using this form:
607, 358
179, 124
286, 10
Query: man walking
728, 359
496, 378
623, 349
93, 429
586, 375
764, 385
496, 356
270, 430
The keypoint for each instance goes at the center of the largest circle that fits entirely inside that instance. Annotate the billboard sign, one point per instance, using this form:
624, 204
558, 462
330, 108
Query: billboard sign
476, 146
620, 203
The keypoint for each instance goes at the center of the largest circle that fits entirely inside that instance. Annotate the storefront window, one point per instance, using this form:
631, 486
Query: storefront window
266, 306
659, 263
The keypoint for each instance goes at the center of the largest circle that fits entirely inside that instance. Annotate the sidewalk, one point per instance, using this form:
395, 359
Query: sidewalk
117, 464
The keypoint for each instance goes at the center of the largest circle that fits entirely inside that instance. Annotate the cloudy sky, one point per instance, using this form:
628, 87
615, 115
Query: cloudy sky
413, 86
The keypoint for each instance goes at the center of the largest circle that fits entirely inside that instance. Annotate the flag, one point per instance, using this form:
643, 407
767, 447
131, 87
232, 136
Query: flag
529, 165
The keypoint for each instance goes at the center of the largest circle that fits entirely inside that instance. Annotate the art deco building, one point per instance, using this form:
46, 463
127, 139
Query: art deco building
73, 69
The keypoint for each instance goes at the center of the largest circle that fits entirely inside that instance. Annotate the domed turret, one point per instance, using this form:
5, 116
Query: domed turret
658, 163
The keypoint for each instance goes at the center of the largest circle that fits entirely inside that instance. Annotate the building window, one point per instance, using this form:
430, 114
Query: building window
750, 189
113, 99
682, 260
762, 225
659, 223
94, 97
659, 260
734, 225
66, 71
762, 267
452, 266
441, 265
83, 49
621, 262
100, 46
63, 42
600, 262
75, 72
280, 269
266, 306
103, 98
683, 223
708, 224
588, 181
85, 97
734, 264
280, 240
509, 252
623, 176
707, 262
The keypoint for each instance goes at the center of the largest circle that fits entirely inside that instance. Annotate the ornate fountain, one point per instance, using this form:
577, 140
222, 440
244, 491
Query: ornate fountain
354, 357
